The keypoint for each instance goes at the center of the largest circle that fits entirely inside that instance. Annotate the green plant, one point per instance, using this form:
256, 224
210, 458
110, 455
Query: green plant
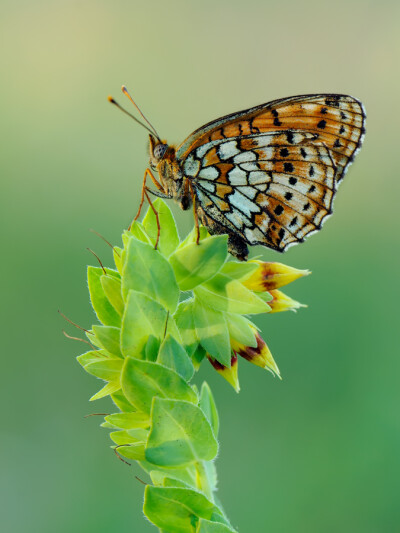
162, 311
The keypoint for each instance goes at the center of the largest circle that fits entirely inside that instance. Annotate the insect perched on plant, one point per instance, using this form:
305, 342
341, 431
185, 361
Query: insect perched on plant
267, 175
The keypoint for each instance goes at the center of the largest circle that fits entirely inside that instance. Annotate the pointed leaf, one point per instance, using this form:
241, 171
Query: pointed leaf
206, 526
225, 294
212, 331
108, 369
138, 231
90, 357
109, 388
169, 238
143, 317
180, 434
112, 290
173, 356
117, 254
184, 321
133, 451
109, 339
152, 349
176, 509
239, 269
142, 380
207, 405
195, 263
147, 271
240, 330
104, 310
129, 420
121, 402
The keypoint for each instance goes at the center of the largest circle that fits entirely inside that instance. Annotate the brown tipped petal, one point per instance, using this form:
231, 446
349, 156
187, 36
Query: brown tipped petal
230, 374
260, 356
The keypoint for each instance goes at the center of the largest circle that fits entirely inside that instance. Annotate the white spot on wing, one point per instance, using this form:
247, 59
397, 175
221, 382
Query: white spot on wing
242, 203
191, 166
209, 173
228, 149
208, 185
249, 166
250, 192
237, 177
243, 157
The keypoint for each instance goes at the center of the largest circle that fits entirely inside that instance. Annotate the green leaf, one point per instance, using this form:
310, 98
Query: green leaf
180, 434
185, 322
225, 294
104, 310
161, 479
143, 317
206, 526
108, 369
109, 338
128, 437
187, 475
121, 402
212, 331
147, 271
173, 355
152, 349
169, 238
109, 388
90, 357
207, 405
112, 290
138, 231
142, 380
129, 420
198, 356
240, 330
191, 237
121, 438
195, 263
238, 269
117, 254
176, 509
133, 451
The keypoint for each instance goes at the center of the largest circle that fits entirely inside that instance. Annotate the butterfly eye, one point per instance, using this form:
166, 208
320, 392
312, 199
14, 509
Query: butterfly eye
159, 151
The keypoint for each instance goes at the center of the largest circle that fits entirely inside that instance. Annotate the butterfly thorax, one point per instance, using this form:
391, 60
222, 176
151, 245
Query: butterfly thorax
163, 159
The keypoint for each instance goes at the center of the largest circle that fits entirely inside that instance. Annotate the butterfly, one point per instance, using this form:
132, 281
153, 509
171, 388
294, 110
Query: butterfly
266, 175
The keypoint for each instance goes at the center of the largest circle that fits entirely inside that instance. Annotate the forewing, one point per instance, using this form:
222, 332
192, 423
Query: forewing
270, 173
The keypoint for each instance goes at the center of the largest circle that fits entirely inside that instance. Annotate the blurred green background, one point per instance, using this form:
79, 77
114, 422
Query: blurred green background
317, 452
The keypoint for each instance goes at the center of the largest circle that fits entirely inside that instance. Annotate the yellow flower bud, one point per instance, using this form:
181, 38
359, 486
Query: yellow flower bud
272, 275
282, 302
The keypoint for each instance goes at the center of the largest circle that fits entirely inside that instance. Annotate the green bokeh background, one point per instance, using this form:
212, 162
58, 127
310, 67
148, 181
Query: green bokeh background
317, 452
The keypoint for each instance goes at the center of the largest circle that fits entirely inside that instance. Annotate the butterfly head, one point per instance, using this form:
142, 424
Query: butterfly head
158, 150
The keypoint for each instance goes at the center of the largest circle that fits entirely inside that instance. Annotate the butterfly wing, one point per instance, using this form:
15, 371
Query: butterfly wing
269, 174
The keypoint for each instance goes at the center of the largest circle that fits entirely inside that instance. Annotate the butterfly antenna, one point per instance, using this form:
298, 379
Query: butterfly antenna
126, 93
112, 101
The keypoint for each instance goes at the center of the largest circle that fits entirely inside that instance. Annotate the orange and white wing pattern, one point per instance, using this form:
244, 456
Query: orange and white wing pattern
269, 174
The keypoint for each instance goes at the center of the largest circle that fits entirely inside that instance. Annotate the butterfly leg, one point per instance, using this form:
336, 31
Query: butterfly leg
156, 183
146, 194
